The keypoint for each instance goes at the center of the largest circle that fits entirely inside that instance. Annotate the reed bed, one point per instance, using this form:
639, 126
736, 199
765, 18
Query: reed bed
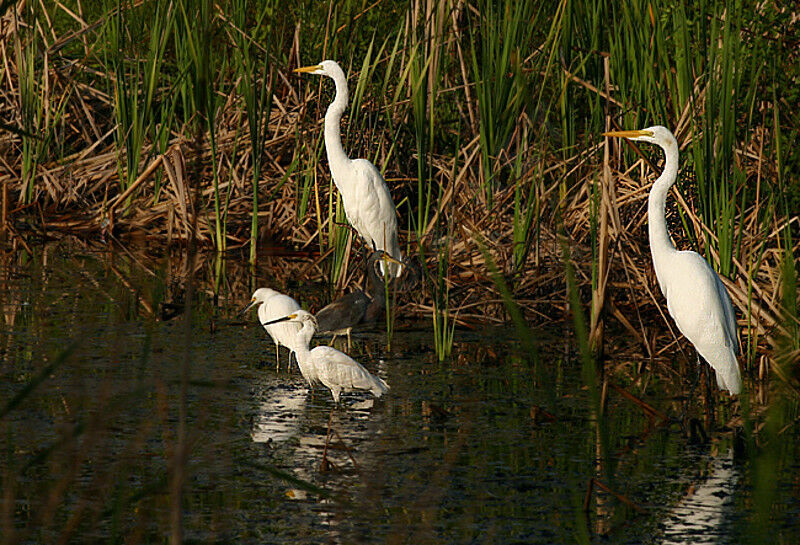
155, 121
178, 127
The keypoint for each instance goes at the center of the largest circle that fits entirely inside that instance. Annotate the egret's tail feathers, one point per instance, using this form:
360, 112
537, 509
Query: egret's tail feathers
379, 387
728, 375
720, 381
733, 381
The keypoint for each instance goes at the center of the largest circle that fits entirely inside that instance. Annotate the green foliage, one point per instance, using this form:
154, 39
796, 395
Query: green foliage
499, 40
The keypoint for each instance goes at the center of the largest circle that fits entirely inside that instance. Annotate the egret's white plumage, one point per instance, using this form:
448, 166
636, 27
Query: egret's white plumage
367, 202
333, 369
696, 297
274, 304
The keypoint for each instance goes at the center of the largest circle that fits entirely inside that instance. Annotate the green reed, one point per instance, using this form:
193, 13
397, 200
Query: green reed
693, 57
526, 225
136, 82
256, 86
41, 111
500, 37
443, 324
769, 449
32, 110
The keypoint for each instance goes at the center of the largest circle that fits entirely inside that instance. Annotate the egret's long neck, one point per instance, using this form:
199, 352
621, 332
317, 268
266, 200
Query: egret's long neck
660, 243
302, 347
333, 137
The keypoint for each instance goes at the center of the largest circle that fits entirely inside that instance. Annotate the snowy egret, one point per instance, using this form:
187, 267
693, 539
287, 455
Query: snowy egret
696, 297
368, 204
357, 307
333, 369
274, 304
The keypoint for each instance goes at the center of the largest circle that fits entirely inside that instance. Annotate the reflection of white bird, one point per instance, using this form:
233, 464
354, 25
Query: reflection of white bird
696, 298
335, 370
368, 204
700, 518
279, 413
274, 304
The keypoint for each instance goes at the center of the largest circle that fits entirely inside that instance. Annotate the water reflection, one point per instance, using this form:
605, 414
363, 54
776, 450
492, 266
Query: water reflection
456, 452
280, 408
702, 517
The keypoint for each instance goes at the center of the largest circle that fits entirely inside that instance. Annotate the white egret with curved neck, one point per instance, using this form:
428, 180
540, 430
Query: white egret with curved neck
274, 304
367, 202
333, 369
696, 297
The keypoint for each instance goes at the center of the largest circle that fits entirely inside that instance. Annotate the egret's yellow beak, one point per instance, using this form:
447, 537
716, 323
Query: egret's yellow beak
309, 68
628, 134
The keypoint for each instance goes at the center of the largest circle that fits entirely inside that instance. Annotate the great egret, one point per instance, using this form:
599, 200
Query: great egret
274, 304
333, 369
368, 204
357, 307
696, 298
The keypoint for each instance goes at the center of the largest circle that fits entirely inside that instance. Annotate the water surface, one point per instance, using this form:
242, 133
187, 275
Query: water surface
493, 445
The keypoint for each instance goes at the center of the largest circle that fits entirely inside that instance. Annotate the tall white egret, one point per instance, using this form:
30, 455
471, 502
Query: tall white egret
696, 298
358, 306
274, 304
368, 204
333, 369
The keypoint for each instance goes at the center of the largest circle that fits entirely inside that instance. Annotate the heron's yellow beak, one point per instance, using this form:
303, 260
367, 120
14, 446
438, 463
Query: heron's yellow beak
309, 68
628, 134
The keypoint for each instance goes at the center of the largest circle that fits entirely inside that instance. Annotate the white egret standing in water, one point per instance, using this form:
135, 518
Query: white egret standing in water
333, 369
368, 204
274, 304
696, 298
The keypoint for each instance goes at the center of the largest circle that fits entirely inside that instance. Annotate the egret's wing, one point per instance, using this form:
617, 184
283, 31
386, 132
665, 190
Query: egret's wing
336, 369
275, 307
727, 308
376, 216
699, 310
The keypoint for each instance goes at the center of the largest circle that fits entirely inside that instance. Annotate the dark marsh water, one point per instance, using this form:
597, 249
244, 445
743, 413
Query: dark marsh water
491, 446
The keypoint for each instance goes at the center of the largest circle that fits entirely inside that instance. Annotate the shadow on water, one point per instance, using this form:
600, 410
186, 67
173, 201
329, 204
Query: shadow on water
488, 447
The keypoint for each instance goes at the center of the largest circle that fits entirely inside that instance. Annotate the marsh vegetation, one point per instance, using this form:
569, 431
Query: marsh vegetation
161, 156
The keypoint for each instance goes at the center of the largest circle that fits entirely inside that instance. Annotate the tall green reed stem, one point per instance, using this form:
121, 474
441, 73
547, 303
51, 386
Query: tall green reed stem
499, 39
135, 83
256, 87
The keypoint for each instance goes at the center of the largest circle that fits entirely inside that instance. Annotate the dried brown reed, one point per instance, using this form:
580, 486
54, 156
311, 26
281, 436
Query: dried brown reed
82, 192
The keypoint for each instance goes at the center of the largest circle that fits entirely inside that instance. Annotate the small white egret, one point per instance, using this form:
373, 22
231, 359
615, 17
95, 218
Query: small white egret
333, 369
696, 297
357, 307
274, 304
368, 204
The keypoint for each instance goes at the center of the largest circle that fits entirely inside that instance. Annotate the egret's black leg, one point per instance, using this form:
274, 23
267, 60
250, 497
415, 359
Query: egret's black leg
709, 397
693, 386
323, 465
